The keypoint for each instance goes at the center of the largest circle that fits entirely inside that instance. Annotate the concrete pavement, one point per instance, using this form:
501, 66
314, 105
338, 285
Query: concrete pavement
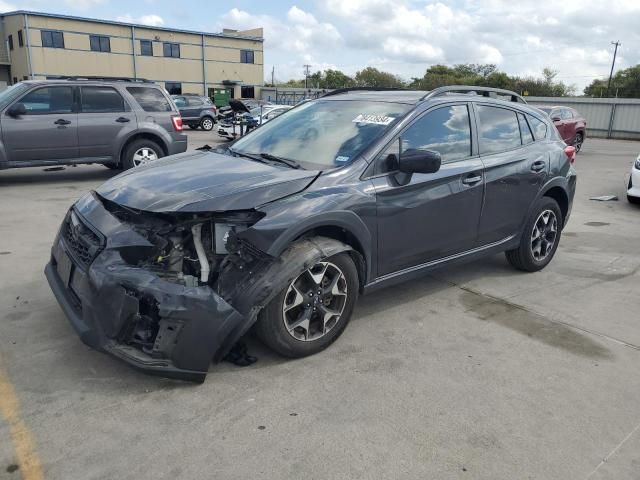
476, 372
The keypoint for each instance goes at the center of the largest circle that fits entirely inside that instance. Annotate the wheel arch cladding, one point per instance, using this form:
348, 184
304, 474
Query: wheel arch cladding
344, 226
560, 196
141, 136
264, 284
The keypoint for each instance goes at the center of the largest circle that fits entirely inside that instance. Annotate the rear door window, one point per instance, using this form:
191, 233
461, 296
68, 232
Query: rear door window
150, 99
101, 100
566, 114
499, 129
525, 131
49, 100
195, 102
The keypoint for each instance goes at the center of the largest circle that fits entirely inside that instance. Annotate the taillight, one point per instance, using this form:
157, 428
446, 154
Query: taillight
570, 151
177, 122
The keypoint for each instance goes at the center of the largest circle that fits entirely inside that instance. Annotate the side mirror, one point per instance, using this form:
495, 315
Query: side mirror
17, 109
419, 161
556, 119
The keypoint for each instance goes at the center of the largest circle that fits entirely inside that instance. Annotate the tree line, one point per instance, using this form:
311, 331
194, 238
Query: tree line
625, 83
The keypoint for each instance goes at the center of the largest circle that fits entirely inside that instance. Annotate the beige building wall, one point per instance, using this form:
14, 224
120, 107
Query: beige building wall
19, 55
206, 60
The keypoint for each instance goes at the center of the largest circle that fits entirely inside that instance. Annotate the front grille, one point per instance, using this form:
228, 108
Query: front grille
82, 243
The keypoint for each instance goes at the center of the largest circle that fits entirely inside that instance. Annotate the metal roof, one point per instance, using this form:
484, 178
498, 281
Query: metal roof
126, 24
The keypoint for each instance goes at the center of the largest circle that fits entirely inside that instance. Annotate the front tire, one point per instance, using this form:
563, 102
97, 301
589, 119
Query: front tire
540, 237
312, 311
578, 141
140, 152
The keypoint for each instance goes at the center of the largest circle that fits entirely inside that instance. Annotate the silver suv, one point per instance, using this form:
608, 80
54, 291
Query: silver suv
120, 123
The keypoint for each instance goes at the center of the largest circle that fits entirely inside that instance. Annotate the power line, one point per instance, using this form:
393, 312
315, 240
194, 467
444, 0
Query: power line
616, 43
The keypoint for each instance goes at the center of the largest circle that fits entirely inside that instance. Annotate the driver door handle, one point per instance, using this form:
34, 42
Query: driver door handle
62, 121
472, 179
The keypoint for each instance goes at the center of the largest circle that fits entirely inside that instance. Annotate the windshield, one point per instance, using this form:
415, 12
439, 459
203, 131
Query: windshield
322, 134
11, 93
546, 110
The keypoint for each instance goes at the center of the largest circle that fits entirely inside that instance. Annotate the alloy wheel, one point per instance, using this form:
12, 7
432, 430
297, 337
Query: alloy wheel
314, 302
544, 235
144, 155
207, 124
578, 142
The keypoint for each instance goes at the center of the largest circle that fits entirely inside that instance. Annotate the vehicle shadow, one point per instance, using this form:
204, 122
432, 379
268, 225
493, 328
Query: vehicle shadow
70, 174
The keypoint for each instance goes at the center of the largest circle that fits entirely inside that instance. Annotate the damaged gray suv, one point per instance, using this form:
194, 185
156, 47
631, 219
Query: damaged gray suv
168, 265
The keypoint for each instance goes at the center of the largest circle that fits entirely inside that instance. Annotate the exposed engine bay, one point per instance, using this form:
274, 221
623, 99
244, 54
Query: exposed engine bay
189, 249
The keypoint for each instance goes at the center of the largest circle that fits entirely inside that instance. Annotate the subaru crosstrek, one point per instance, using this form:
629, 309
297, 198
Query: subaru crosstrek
168, 265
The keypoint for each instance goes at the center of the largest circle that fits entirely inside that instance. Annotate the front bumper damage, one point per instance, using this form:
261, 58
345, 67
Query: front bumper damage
106, 300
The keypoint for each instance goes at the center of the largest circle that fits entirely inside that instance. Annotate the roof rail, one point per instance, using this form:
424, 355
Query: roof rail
339, 91
469, 90
98, 78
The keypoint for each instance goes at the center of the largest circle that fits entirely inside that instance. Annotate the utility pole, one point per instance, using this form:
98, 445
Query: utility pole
306, 74
617, 44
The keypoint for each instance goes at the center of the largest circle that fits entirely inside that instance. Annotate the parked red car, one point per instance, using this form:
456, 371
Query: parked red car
571, 125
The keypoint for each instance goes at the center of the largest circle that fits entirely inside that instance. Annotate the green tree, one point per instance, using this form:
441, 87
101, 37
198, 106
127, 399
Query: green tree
372, 77
625, 83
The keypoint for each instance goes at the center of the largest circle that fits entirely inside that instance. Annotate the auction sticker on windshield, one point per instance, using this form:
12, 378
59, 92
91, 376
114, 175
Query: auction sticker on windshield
375, 119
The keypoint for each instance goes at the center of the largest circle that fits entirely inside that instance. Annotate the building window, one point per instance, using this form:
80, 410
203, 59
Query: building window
20, 39
247, 92
174, 88
171, 50
246, 56
99, 43
10, 40
52, 39
15, 80
146, 48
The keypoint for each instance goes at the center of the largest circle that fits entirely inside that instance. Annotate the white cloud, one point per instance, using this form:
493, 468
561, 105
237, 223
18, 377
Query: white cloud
6, 6
405, 37
83, 4
151, 20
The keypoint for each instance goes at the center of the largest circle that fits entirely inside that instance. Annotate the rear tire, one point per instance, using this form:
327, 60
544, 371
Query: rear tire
207, 123
540, 237
139, 152
318, 322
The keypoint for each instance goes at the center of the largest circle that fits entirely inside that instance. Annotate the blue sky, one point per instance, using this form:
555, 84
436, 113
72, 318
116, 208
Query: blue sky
401, 36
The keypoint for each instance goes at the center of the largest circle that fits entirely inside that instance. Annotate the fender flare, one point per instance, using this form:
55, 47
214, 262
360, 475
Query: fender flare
343, 219
561, 182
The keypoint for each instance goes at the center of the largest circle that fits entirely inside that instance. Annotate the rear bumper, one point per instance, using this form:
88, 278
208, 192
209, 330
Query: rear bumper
179, 145
111, 305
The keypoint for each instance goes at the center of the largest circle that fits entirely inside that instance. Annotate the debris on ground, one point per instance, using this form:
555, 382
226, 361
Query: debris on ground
53, 169
605, 198
239, 356
205, 147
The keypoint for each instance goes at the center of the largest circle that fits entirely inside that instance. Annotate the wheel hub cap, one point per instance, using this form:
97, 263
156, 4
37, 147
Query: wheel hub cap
314, 302
544, 235
144, 155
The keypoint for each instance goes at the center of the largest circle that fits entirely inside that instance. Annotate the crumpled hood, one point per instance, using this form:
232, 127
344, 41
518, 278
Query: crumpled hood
204, 181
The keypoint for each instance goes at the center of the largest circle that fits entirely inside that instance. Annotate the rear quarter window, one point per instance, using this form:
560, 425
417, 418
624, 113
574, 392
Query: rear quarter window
539, 128
150, 99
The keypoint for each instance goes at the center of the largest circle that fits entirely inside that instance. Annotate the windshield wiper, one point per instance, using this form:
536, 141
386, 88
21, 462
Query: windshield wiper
250, 156
286, 161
